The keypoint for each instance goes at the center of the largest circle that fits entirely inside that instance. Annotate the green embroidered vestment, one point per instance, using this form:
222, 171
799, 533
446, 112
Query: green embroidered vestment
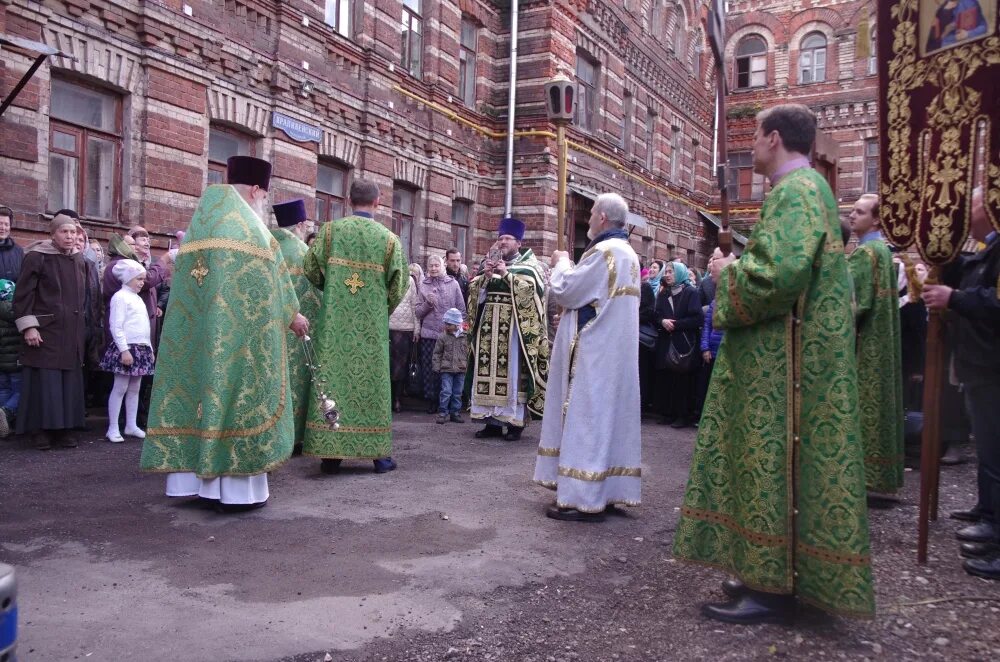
222, 402
880, 385
519, 296
360, 267
293, 250
776, 493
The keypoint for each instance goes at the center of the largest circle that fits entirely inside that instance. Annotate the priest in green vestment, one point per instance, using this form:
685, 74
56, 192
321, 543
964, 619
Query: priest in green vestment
293, 227
509, 348
221, 410
776, 492
879, 350
360, 267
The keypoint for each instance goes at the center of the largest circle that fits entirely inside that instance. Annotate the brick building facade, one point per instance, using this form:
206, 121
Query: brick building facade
411, 93
820, 54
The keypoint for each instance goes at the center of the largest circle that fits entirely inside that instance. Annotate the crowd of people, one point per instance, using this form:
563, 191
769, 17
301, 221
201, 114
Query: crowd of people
800, 362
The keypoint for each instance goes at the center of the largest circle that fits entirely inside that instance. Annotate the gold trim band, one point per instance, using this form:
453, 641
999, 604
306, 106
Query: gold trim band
597, 476
226, 245
548, 452
353, 264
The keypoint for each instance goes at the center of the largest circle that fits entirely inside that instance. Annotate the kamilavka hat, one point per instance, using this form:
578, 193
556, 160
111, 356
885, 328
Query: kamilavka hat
511, 226
290, 213
248, 170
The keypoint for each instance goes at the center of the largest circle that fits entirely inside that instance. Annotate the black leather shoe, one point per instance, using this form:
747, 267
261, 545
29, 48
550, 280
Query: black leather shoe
573, 515
457, 418
979, 550
952, 457
329, 466
986, 568
971, 515
489, 431
432, 408
979, 532
734, 588
752, 607
384, 465
679, 423
230, 508
513, 433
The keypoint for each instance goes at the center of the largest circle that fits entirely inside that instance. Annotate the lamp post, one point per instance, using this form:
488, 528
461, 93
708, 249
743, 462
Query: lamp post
560, 105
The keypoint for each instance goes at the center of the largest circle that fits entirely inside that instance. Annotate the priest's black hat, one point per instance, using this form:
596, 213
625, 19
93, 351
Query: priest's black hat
511, 226
248, 170
290, 213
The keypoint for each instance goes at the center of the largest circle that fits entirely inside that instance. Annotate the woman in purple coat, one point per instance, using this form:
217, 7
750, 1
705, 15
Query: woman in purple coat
437, 292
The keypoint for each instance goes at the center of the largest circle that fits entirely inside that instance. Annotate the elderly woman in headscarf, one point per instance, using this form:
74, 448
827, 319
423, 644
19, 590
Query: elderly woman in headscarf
678, 316
437, 293
404, 331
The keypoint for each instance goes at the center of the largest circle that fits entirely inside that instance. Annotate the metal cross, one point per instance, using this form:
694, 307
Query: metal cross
354, 282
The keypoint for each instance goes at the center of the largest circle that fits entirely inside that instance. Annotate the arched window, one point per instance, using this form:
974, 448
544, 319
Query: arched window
680, 38
751, 62
812, 59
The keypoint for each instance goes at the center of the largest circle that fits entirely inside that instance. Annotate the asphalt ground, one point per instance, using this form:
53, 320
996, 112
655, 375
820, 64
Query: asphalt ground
449, 557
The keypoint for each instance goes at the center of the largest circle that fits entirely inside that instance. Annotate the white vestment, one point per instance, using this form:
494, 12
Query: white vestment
590, 446
242, 490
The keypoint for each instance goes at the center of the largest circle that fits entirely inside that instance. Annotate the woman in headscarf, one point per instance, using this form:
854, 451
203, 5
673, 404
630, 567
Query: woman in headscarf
437, 293
655, 273
678, 316
404, 331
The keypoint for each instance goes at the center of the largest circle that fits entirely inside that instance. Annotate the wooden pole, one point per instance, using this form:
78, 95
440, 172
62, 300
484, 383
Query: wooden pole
563, 156
725, 235
930, 447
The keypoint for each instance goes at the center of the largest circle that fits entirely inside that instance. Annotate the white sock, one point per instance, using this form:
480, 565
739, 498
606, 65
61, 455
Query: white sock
115, 404
132, 407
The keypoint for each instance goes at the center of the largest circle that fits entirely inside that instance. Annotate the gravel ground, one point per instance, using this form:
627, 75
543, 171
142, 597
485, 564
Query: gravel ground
641, 604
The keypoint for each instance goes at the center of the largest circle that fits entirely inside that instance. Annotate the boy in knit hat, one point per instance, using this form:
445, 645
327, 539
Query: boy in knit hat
450, 359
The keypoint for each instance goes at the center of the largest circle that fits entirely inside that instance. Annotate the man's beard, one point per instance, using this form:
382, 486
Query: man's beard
258, 208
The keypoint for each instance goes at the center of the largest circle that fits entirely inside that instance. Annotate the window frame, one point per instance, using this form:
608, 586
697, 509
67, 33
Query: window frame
587, 94
219, 167
811, 70
82, 134
870, 166
462, 227
345, 29
751, 60
628, 112
676, 152
401, 218
742, 183
872, 64
412, 42
326, 200
467, 63
650, 136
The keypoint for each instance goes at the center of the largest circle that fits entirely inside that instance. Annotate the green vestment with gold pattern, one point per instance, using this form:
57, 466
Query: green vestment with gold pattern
512, 311
360, 267
879, 350
222, 401
776, 493
294, 250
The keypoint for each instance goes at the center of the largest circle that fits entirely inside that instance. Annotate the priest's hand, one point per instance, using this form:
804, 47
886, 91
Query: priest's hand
556, 256
715, 268
299, 325
668, 325
500, 269
936, 296
33, 337
706, 356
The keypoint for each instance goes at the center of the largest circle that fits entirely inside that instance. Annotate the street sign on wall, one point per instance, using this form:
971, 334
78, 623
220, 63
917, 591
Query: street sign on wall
296, 130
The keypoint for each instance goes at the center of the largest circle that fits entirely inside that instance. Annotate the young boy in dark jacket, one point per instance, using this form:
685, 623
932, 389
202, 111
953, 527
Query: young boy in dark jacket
450, 359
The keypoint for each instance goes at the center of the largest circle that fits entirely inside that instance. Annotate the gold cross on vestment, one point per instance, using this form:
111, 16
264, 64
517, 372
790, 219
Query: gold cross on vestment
946, 175
200, 270
354, 282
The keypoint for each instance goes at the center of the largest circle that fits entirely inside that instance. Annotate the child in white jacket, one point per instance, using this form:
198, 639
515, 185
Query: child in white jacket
130, 353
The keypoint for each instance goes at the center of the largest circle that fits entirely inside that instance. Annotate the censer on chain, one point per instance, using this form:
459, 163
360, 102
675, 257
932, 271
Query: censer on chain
327, 406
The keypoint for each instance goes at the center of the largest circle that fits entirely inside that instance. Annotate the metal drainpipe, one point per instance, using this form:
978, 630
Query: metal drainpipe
508, 201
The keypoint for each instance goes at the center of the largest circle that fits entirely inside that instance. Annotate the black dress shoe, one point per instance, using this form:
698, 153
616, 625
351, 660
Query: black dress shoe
979, 532
329, 466
679, 423
432, 408
513, 433
979, 550
971, 515
986, 568
952, 457
573, 515
296, 450
230, 508
734, 588
384, 465
752, 607
489, 431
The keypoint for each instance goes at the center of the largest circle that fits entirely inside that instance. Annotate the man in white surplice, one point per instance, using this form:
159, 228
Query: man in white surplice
590, 445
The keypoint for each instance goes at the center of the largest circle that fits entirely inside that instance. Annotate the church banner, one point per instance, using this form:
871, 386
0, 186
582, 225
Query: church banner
939, 67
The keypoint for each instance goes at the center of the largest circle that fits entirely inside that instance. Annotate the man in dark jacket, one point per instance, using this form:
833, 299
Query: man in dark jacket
453, 266
971, 293
49, 311
11, 256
